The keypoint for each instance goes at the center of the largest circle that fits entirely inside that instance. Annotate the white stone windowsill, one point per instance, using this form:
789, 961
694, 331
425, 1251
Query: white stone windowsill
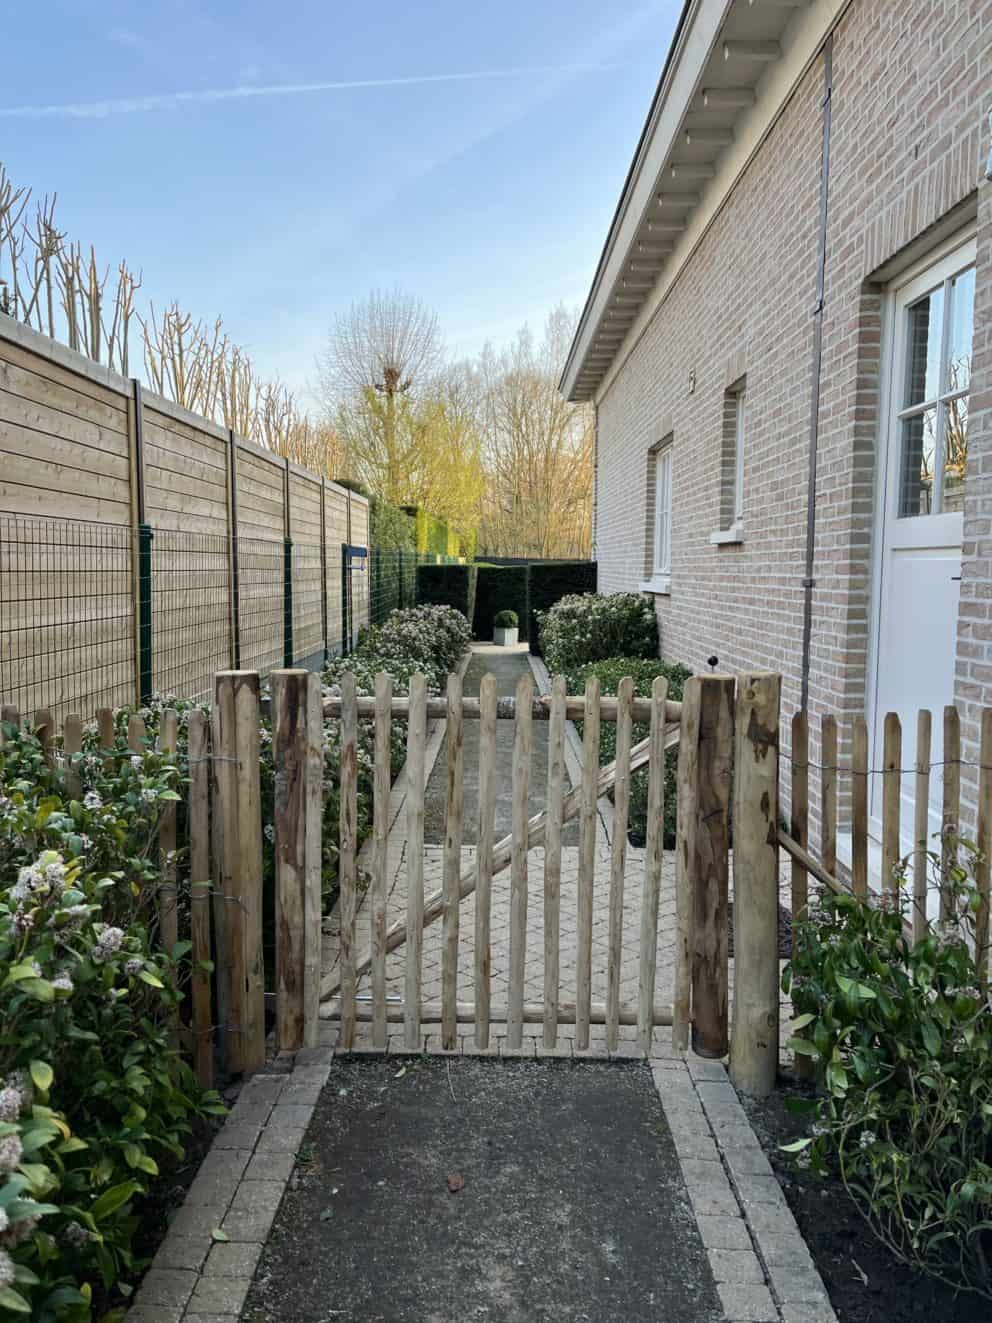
727, 537
659, 584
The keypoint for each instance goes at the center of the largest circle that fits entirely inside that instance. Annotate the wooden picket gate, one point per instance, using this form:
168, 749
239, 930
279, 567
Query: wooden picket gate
703, 726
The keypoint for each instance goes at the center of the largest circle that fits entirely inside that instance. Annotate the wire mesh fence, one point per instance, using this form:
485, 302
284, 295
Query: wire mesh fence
101, 615
67, 624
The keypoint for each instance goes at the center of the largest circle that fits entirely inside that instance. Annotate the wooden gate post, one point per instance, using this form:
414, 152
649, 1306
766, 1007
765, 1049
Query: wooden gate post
709, 865
297, 732
236, 719
754, 1041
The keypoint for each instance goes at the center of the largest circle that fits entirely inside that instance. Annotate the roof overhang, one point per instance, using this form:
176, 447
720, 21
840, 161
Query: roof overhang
730, 68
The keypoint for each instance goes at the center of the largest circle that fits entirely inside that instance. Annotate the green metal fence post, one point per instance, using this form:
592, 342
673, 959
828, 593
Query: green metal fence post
145, 536
287, 601
345, 584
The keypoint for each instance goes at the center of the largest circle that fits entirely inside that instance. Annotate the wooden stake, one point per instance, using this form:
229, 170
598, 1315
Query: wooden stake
347, 875
828, 793
168, 913
685, 846
45, 730
552, 861
859, 807
228, 911
950, 823
292, 745
754, 1042
380, 852
799, 817
921, 825
249, 865
416, 738
72, 743
587, 862
454, 809
105, 725
711, 866
136, 734
891, 798
618, 862
200, 888
654, 853
518, 860
484, 858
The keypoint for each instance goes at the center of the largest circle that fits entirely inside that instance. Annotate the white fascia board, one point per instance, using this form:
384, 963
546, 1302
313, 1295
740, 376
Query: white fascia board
805, 38
696, 42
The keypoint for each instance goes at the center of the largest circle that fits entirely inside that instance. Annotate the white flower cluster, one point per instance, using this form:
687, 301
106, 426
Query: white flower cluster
108, 941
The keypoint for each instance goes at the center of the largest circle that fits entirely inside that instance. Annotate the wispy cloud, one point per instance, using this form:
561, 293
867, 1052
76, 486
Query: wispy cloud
143, 105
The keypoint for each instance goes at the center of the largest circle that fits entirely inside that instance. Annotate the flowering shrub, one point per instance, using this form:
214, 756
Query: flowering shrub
430, 639
901, 1034
587, 627
92, 1096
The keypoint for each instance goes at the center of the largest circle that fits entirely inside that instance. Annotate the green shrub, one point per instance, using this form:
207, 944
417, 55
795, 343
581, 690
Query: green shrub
93, 1099
643, 673
390, 528
506, 620
588, 628
447, 585
901, 1036
547, 583
498, 588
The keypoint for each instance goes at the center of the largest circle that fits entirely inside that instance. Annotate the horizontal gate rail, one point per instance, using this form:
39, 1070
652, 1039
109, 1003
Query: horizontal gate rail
640, 755
506, 709
533, 1012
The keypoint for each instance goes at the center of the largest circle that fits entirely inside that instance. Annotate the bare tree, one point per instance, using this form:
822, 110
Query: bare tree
538, 449
389, 343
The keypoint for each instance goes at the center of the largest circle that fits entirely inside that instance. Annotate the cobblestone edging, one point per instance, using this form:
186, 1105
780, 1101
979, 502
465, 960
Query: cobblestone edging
763, 1270
238, 1190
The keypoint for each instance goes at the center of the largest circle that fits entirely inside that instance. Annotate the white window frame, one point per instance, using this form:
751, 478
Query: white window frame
661, 529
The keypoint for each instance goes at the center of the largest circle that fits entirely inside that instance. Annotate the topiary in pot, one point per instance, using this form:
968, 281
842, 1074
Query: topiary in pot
505, 628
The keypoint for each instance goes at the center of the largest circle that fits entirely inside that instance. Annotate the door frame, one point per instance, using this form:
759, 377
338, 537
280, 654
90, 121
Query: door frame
961, 245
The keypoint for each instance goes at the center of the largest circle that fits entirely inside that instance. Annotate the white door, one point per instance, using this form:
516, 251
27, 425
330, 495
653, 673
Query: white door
919, 566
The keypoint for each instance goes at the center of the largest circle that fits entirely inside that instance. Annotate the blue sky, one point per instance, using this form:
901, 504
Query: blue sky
486, 196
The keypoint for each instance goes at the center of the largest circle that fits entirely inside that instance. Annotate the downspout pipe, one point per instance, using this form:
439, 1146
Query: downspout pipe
814, 404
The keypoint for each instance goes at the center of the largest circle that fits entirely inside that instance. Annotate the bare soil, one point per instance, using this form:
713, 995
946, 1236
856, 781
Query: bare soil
866, 1283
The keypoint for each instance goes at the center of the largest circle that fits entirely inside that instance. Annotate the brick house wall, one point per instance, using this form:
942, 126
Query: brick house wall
911, 88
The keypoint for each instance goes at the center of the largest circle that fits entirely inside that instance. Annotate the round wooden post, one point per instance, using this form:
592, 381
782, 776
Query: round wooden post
710, 865
754, 1041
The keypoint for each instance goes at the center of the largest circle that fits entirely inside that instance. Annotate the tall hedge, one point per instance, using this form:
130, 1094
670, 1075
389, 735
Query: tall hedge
551, 580
500, 588
447, 585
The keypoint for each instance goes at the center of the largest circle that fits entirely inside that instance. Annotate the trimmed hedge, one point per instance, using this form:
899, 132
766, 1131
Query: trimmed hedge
587, 627
551, 580
499, 588
447, 585
642, 671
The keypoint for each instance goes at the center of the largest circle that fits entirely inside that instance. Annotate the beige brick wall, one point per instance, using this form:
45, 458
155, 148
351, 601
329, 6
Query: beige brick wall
911, 87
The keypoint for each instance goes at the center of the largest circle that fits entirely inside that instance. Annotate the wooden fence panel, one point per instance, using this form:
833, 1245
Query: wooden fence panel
380, 851
654, 853
522, 738
587, 862
454, 808
618, 862
416, 739
552, 861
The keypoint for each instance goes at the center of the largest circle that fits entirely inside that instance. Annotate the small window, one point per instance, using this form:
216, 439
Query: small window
662, 565
732, 463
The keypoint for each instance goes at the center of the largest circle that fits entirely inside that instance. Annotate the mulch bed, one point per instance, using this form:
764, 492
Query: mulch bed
866, 1283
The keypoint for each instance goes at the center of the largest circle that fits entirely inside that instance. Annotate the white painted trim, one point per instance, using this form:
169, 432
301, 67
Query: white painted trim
801, 45
660, 585
885, 455
728, 537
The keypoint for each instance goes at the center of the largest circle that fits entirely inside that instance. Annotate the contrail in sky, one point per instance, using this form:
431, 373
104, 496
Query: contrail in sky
141, 105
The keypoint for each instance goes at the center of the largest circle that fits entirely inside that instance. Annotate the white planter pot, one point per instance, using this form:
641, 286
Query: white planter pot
505, 638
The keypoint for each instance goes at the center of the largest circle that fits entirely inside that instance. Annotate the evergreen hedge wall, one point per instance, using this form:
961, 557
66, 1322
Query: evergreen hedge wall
500, 588
447, 585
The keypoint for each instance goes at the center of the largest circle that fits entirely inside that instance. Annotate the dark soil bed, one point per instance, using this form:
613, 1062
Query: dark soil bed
844, 1249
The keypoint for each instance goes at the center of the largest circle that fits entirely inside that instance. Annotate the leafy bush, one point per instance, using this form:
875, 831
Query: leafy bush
643, 673
506, 620
93, 1096
586, 628
499, 587
447, 585
389, 527
430, 638
901, 1034
548, 581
